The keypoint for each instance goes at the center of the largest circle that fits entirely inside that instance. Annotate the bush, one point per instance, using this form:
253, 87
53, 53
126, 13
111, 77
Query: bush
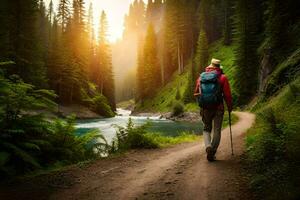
100, 105
177, 109
29, 141
97, 102
164, 141
72, 148
273, 147
132, 137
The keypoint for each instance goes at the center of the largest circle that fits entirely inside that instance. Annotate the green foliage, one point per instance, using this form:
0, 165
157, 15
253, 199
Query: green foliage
177, 109
101, 106
163, 100
188, 95
202, 54
272, 146
18, 97
165, 141
281, 29
28, 141
180, 18
149, 75
132, 137
234, 119
248, 16
178, 96
284, 73
70, 148
105, 76
96, 102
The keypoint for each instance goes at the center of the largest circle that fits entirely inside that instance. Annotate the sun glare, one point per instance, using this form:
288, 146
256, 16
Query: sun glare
115, 10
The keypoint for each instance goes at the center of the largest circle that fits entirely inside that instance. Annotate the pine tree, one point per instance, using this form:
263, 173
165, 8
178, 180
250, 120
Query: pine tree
63, 13
140, 82
51, 12
152, 74
202, 54
43, 32
247, 29
105, 77
228, 23
179, 31
24, 42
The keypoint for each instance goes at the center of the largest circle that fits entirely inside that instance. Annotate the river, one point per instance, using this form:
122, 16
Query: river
158, 125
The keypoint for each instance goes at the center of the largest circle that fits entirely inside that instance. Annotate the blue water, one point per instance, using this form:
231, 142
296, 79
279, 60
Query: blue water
162, 126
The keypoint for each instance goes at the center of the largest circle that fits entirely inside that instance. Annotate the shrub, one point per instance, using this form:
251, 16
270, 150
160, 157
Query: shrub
137, 137
101, 106
132, 137
177, 109
72, 148
29, 141
97, 102
164, 141
273, 147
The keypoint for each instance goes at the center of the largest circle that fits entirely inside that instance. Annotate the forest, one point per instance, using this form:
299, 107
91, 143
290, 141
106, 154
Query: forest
53, 56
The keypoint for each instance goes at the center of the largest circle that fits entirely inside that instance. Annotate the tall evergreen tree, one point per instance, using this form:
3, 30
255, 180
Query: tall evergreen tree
247, 29
228, 22
152, 74
105, 77
179, 31
140, 82
202, 54
24, 41
63, 13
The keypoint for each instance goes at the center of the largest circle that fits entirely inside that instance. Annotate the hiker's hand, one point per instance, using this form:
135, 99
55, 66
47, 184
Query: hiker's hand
196, 94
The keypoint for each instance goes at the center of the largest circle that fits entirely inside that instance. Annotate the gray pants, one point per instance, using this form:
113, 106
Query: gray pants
212, 119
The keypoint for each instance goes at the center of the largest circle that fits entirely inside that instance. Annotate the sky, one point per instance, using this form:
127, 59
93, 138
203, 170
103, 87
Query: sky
115, 10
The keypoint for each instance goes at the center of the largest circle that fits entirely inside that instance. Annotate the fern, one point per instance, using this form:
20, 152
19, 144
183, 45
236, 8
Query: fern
21, 154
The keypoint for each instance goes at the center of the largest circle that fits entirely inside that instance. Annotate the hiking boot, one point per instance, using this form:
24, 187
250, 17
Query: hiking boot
210, 154
214, 154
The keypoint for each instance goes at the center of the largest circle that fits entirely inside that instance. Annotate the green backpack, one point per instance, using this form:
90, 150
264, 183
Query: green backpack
211, 91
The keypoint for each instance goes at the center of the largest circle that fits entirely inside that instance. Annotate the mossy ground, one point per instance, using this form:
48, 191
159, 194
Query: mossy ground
273, 145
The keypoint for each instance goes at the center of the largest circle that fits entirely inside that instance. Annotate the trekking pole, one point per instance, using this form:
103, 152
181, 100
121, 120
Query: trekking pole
230, 133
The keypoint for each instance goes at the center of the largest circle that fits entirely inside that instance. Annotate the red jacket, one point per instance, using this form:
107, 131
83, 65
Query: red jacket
225, 87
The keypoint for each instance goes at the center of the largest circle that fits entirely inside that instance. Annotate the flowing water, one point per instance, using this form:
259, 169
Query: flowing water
158, 125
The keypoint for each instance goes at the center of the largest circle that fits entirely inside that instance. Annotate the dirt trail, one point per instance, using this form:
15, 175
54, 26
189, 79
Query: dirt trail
180, 172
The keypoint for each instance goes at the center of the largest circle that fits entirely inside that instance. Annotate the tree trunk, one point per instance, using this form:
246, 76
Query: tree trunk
179, 58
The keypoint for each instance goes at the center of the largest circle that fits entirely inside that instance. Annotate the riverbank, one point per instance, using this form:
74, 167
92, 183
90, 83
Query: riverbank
176, 172
80, 111
184, 117
63, 111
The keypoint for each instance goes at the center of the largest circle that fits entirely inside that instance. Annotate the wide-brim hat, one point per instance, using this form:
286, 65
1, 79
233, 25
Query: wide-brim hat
215, 61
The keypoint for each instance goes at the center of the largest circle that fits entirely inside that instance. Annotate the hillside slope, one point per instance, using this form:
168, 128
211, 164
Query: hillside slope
175, 89
273, 144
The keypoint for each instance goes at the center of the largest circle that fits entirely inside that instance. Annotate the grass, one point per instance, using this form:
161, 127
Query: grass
165, 98
234, 119
191, 107
166, 141
273, 151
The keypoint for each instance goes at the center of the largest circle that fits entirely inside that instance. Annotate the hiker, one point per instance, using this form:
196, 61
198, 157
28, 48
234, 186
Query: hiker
211, 88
